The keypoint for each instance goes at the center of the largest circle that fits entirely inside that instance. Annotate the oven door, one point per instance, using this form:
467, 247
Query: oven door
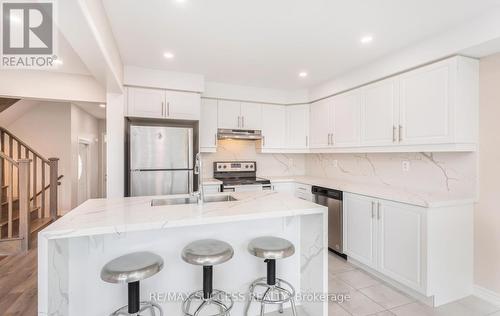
242, 188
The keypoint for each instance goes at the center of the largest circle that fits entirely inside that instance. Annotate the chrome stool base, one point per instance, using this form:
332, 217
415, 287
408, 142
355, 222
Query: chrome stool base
144, 306
280, 293
219, 299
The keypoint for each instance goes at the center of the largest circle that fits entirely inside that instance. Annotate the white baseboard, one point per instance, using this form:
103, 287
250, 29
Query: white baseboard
487, 295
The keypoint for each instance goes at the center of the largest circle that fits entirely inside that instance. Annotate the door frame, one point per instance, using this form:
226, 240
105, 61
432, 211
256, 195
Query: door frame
88, 143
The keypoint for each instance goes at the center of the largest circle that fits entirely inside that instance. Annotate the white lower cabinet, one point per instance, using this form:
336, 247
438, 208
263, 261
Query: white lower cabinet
386, 236
303, 191
425, 250
287, 187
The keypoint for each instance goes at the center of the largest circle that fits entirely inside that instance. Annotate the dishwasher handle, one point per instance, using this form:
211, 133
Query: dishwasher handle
330, 193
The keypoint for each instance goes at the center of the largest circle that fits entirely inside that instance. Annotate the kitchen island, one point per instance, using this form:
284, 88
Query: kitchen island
73, 250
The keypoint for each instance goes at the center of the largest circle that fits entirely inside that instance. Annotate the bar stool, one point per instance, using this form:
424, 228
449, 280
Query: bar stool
207, 253
132, 269
270, 289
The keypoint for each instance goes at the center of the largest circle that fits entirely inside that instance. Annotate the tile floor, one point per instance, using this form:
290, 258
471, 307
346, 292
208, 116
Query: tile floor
370, 296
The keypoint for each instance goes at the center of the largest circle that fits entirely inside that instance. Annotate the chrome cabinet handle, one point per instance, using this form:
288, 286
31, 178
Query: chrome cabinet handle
162, 108
333, 140
394, 137
373, 209
215, 139
243, 122
329, 139
168, 108
400, 132
378, 210
239, 118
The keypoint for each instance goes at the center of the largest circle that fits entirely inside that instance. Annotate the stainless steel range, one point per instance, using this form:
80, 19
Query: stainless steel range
239, 176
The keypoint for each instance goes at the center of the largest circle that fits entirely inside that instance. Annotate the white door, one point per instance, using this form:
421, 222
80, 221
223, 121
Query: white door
297, 126
273, 126
425, 104
251, 114
320, 124
146, 102
208, 126
182, 105
400, 242
380, 114
346, 119
360, 228
229, 113
83, 189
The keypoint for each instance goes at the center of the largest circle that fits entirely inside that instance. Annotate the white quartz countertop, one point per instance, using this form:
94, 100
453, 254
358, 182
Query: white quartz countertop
414, 197
121, 215
211, 181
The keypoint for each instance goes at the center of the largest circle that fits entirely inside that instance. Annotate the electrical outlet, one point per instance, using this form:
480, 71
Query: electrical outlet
405, 165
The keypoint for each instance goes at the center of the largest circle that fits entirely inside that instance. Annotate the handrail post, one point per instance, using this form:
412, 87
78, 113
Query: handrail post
53, 162
24, 203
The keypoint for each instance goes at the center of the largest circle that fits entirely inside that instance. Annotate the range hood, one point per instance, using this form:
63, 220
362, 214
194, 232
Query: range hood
239, 134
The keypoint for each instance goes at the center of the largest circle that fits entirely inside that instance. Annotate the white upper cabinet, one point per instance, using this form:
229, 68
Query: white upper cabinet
380, 114
320, 126
229, 114
157, 103
273, 126
297, 117
426, 104
346, 119
146, 102
251, 116
237, 115
208, 126
182, 105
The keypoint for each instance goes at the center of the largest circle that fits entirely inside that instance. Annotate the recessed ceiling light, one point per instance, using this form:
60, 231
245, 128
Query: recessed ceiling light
366, 39
102, 105
169, 55
302, 74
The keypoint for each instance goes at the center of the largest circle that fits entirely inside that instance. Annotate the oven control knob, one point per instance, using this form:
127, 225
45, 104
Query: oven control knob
225, 166
246, 166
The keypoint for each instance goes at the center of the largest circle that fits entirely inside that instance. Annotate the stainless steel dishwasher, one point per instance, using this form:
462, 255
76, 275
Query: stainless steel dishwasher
333, 200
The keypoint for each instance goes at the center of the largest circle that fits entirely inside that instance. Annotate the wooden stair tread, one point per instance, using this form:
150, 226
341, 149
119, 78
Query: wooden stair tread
39, 223
15, 215
14, 200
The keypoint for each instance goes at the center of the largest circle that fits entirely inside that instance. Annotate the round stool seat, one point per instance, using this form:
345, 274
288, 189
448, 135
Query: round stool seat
207, 252
270, 247
133, 267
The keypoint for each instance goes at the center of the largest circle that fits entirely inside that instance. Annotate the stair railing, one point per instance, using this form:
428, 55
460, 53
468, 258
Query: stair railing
41, 196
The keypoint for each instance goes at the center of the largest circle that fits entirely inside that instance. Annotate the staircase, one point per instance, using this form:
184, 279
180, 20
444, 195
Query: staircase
28, 194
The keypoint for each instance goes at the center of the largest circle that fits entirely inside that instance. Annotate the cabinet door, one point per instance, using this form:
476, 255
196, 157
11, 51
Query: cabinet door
273, 126
251, 116
360, 228
400, 242
284, 187
208, 126
297, 126
379, 114
319, 124
425, 104
229, 114
146, 102
211, 188
182, 105
346, 119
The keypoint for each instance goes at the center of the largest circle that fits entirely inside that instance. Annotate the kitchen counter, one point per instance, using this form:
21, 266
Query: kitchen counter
387, 192
210, 181
72, 250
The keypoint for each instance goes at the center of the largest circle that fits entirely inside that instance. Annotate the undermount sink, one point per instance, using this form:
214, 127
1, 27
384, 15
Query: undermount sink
192, 200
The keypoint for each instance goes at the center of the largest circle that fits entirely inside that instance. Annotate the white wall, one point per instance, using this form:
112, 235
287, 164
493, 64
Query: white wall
487, 212
47, 128
84, 127
115, 130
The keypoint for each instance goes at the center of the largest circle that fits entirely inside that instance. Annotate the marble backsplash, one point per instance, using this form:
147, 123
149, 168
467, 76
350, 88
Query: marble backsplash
453, 173
267, 164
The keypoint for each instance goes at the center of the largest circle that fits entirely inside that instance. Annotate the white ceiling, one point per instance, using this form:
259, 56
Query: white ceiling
266, 43
93, 109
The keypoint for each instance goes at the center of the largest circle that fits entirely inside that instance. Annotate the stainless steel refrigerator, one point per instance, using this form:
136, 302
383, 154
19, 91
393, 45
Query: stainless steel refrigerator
161, 160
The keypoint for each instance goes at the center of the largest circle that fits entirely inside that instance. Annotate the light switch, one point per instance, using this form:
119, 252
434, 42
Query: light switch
405, 165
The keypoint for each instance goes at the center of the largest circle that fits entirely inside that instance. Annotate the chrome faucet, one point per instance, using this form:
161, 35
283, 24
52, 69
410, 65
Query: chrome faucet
200, 194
